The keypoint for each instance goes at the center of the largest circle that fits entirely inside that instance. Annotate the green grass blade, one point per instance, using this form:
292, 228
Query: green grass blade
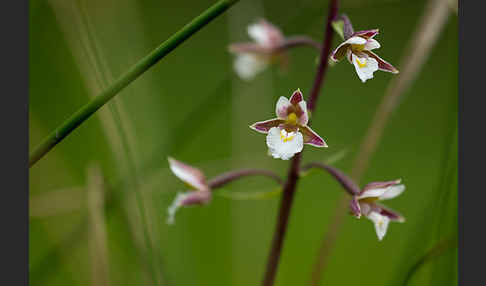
133, 73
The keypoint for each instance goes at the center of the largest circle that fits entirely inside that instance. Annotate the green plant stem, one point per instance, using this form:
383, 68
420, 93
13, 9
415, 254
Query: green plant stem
128, 77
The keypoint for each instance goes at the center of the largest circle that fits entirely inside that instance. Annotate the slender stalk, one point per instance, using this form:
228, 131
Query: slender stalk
348, 184
128, 77
325, 52
293, 173
296, 41
282, 221
230, 176
426, 34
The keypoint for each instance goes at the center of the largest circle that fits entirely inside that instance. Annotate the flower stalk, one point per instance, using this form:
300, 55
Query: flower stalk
297, 41
349, 185
230, 176
324, 56
282, 220
128, 77
293, 173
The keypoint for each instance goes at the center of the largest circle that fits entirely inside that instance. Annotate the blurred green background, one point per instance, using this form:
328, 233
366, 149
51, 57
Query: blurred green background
85, 227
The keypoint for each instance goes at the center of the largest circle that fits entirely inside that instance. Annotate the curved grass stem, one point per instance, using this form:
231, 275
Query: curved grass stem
125, 79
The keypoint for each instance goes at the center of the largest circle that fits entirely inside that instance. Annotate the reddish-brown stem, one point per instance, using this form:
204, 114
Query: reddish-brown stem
293, 174
230, 176
324, 56
282, 220
348, 184
289, 42
295, 41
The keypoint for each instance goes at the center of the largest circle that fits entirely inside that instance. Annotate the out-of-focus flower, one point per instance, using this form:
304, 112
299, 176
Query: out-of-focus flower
199, 193
357, 48
254, 57
287, 134
365, 203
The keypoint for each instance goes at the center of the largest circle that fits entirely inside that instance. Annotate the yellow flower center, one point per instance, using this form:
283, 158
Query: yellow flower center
284, 136
292, 119
361, 64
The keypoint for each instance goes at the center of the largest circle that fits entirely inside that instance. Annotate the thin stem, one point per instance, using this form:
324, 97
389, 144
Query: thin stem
289, 42
348, 184
128, 77
324, 59
282, 221
230, 176
293, 173
296, 41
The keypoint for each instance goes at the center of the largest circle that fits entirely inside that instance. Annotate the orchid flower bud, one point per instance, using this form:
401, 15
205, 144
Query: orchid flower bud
199, 194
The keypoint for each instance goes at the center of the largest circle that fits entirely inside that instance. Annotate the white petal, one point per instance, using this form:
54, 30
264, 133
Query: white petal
281, 108
248, 65
365, 66
372, 193
176, 204
381, 223
372, 44
259, 34
392, 191
383, 193
188, 174
356, 41
284, 145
